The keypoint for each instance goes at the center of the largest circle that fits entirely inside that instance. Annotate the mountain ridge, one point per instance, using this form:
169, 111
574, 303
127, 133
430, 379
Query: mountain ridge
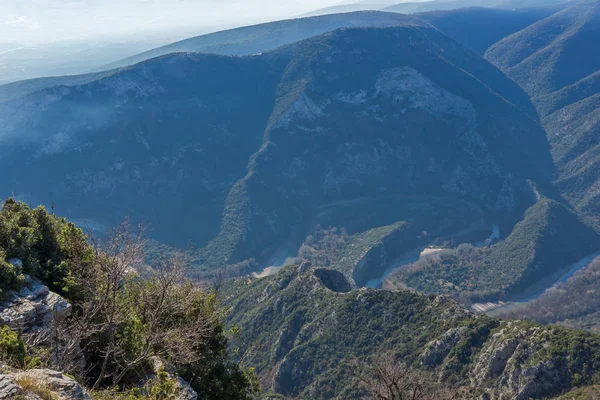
270, 35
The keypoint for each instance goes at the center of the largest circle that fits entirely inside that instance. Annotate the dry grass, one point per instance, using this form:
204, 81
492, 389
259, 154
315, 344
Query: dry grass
31, 386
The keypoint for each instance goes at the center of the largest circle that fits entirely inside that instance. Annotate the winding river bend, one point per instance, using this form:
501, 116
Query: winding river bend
500, 306
423, 252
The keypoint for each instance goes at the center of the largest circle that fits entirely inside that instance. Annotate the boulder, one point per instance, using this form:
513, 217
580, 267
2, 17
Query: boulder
33, 311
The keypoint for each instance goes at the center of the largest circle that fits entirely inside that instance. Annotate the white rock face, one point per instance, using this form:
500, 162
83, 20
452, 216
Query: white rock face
509, 359
34, 312
406, 84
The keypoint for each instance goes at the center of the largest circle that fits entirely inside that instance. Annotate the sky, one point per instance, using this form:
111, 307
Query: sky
40, 21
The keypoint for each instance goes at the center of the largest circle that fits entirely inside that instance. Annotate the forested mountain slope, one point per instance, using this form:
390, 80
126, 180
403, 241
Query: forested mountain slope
478, 28
556, 61
305, 330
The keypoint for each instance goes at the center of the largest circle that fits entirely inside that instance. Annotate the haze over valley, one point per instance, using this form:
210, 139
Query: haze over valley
300, 200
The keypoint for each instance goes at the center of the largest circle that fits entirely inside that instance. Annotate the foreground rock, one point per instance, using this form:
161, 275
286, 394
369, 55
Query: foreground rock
40, 384
33, 308
36, 313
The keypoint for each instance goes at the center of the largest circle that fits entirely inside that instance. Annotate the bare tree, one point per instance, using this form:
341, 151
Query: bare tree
174, 320
96, 284
122, 319
387, 379
116, 259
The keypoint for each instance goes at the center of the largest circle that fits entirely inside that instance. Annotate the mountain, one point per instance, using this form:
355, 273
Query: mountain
556, 62
304, 330
490, 24
23, 61
18, 89
346, 8
427, 6
264, 37
244, 155
239, 154
478, 28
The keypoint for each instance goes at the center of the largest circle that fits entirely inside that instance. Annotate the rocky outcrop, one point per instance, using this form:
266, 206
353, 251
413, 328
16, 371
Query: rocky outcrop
33, 308
34, 312
38, 384
185, 390
287, 337
437, 350
512, 359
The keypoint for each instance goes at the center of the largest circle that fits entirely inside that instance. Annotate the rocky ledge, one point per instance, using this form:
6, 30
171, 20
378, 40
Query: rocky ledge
32, 308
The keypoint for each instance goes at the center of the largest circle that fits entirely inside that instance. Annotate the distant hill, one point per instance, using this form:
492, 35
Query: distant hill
19, 61
556, 61
264, 37
478, 28
490, 25
196, 144
240, 41
18, 89
440, 5
436, 5
412, 7
346, 8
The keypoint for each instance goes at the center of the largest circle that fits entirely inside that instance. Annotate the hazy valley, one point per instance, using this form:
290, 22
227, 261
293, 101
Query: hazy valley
348, 205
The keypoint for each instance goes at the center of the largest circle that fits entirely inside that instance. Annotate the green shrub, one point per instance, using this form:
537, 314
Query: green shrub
11, 276
12, 348
163, 387
48, 246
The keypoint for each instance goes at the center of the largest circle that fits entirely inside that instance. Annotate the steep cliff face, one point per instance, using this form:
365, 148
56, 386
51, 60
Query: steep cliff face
309, 335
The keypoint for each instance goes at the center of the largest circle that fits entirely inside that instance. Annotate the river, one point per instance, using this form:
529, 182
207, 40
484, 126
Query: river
422, 252
573, 269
